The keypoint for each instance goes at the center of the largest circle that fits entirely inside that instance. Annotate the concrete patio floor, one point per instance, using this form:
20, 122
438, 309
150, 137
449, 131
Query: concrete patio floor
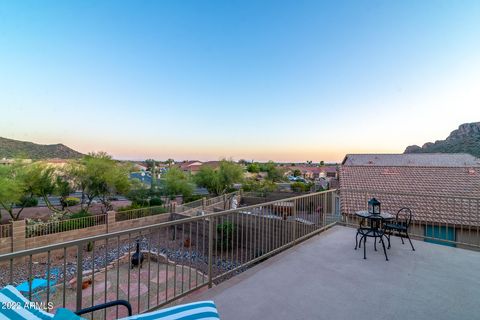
325, 278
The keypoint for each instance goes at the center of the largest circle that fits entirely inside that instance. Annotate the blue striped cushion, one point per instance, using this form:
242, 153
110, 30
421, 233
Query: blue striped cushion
204, 310
14, 306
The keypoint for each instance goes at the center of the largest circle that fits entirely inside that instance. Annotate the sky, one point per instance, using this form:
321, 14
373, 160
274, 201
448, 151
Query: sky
256, 80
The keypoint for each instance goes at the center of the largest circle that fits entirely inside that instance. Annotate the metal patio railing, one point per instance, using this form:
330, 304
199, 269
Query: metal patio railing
452, 220
5, 230
180, 256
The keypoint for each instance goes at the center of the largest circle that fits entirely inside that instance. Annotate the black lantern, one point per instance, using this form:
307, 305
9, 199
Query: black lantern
373, 206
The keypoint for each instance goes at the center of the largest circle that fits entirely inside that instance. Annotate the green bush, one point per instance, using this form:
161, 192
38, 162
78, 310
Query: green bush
133, 206
158, 210
155, 201
89, 246
68, 225
71, 223
80, 214
225, 235
139, 197
192, 198
71, 201
253, 168
28, 202
300, 187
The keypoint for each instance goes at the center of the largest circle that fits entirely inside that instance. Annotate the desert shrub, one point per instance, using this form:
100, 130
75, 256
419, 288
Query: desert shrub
139, 197
300, 187
79, 214
155, 201
158, 210
133, 206
89, 246
28, 202
71, 201
55, 224
192, 198
225, 235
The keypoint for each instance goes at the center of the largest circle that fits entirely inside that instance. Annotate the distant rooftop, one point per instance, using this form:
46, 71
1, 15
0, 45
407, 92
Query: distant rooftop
412, 160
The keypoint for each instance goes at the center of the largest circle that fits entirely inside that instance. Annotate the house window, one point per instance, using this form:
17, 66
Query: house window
440, 232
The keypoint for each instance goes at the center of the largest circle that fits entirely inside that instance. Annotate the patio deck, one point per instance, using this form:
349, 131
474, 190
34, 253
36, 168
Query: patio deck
325, 278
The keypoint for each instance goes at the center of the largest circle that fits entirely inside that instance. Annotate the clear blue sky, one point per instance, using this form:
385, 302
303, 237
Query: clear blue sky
282, 80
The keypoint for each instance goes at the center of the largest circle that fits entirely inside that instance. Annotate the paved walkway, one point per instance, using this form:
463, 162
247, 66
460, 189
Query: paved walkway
143, 288
325, 278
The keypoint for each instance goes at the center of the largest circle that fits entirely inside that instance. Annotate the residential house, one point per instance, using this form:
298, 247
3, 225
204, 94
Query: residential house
189, 166
437, 187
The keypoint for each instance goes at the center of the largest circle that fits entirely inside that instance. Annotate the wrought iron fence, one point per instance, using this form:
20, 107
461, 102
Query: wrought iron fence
50, 227
140, 213
5, 230
179, 256
452, 220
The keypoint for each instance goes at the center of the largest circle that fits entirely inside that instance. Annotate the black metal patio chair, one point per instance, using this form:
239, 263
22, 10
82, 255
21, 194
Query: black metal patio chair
400, 225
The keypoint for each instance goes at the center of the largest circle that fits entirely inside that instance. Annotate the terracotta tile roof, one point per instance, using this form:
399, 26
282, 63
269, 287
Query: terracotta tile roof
185, 165
421, 188
412, 160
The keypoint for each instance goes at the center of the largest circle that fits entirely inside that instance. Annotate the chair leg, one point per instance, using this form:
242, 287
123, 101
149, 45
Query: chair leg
408, 237
375, 244
387, 235
400, 234
384, 250
356, 241
364, 248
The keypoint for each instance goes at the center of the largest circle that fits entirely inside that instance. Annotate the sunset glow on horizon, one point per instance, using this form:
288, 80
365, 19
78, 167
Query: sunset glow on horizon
269, 80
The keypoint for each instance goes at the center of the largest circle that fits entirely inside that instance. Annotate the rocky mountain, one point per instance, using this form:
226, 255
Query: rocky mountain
10, 148
465, 139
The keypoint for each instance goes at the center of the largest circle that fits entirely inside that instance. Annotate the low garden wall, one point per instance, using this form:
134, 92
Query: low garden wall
18, 239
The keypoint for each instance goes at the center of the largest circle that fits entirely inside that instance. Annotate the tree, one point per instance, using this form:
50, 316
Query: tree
11, 190
64, 185
170, 162
177, 182
151, 163
97, 175
139, 194
41, 180
322, 163
20, 184
243, 162
297, 173
273, 173
219, 181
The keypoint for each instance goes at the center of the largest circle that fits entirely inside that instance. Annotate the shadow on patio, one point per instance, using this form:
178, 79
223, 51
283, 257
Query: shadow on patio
325, 278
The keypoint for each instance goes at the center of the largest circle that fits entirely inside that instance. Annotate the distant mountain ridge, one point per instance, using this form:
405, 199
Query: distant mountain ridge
466, 139
10, 148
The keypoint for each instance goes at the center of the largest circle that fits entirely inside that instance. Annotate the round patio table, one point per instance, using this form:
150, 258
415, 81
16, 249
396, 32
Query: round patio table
374, 231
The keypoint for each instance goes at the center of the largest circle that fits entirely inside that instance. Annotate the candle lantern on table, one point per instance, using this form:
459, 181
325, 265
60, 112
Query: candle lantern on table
373, 206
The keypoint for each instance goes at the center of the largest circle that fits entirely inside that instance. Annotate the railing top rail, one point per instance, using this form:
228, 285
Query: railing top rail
426, 195
140, 209
83, 241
